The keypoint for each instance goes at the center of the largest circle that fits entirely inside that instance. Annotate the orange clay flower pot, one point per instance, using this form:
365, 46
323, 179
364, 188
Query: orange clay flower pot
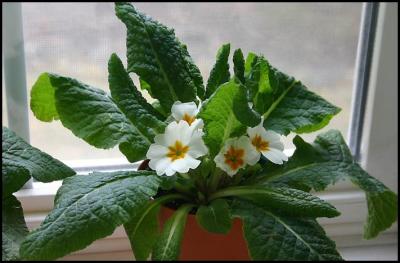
198, 244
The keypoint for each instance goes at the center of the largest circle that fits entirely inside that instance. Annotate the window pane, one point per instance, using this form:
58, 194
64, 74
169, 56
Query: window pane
314, 42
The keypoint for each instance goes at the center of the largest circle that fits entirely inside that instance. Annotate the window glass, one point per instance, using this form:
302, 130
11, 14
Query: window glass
314, 42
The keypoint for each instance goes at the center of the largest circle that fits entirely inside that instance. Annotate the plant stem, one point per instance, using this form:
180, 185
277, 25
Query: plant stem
184, 190
214, 180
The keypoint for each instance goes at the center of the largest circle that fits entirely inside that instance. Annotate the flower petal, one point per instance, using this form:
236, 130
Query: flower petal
179, 109
197, 124
271, 136
197, 147
275, 156
156, 151
160, 165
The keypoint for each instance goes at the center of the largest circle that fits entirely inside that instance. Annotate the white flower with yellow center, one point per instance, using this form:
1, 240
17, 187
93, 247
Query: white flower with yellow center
267, 143
176, 150
187, 112
236, 153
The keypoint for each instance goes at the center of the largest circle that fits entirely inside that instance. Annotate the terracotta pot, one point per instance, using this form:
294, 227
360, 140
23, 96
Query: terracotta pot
198, 244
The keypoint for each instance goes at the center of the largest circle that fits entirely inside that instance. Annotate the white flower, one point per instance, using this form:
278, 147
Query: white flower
236, 153
176, 150
267, 143
187, 112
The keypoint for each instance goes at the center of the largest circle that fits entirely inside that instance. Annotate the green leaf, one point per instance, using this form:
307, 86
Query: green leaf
157, 56
238, 65
243, 112
14, 228
220, 72
215, 217
194, 72
271, 236
286, 104
143, 229
14, 176
219, 120
21, 160
284, 200
326, 161
168, 245
43, 103
93, 116
87, 208
300, 110
129, 100
251, 58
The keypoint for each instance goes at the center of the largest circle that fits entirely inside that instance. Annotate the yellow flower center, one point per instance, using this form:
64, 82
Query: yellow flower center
234, 157
177, 151
189, 119
260, 145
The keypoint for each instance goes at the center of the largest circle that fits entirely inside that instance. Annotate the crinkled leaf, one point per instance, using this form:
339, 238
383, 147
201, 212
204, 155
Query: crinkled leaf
243, 112
215, 217
143, 229
21, 160
220, 72
93, 116
271, 236
299, 110
219, 120
157, 56
238, 64
283, 200
14, 176
14, 228
129, 100
168, 244
87, 208
327, 160
286, 104
194, 72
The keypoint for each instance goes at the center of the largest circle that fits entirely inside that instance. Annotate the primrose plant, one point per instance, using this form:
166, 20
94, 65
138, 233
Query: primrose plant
211, 149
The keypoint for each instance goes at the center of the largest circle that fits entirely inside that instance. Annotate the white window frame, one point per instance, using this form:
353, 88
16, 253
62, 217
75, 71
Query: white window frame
375, 154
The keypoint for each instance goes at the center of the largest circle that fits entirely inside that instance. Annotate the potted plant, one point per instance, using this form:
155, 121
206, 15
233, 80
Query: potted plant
213, 157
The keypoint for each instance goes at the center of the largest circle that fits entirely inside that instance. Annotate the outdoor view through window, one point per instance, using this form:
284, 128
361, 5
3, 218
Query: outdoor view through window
314, 42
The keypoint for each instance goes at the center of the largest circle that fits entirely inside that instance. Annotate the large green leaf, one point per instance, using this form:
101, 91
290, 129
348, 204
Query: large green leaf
219, 120
220, 72
327, 160
168, 245
284, 200
271, 236
14, 228
286, 104
89, 207
157, 56
141, 114
299, 110
143, 229
91, 115
21, 160
239, 64
242, 109
194, 72
215, 217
